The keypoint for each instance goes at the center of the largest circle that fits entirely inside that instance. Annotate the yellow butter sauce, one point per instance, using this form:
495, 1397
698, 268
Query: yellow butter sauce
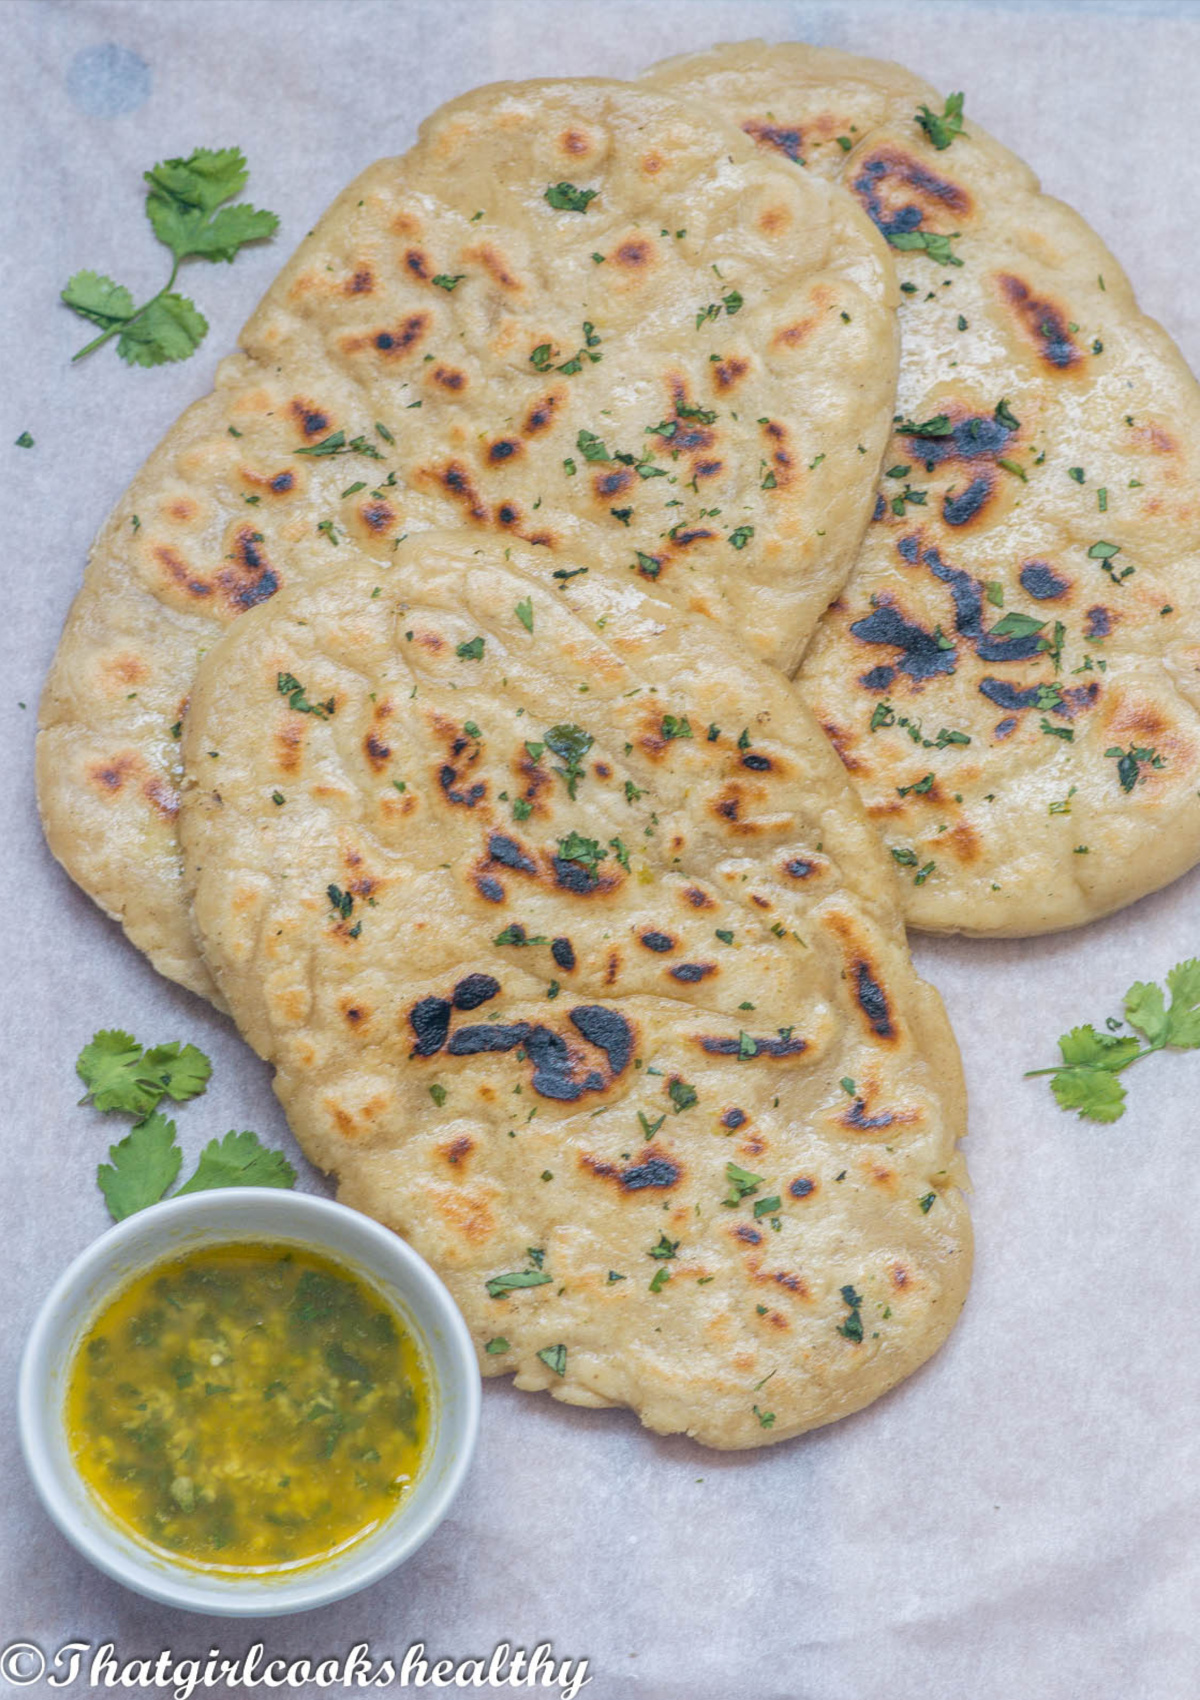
248, 1407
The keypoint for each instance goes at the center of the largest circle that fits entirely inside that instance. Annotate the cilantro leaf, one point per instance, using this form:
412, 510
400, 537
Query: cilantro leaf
96, 297
1183, 1018
188, 231
501, 1284
938, 426
1145, 1009
683, 1095
1094, 1093
741, 1184
206, 178
565, 197
182, 203
1016, 625
570, 743
936, 246
941, 128
1090, 1049
119, 1075
240, 1159
140, 1168
584, 851
168, 328
183, 1070
108, 1068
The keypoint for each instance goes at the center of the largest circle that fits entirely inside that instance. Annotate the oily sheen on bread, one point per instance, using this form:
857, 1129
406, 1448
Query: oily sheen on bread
575, 315
1012, 676
580, 966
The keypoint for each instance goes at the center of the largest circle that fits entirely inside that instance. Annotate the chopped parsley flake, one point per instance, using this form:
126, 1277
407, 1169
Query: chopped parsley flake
565, 197
941, 128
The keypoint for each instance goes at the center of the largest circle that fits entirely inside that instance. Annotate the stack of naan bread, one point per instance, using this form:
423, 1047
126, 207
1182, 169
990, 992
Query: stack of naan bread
427, 704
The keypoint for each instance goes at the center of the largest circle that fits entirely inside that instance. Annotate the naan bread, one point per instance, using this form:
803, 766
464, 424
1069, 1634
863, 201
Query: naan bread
547, 912
682, 369
1012, 677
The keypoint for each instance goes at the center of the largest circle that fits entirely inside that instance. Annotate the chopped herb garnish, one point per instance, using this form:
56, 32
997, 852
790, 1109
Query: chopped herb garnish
941, 128
570, 744
336, 444
591, 447
937, 247
565, 197
501, 1284
290, 687
742, 1184
1016, 625
515, 933
1131, 761
683, 1096
938, 426
585, 851
852, 1328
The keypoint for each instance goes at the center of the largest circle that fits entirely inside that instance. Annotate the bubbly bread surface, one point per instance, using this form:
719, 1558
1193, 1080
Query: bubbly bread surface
581, 967
1012, 675
575, 315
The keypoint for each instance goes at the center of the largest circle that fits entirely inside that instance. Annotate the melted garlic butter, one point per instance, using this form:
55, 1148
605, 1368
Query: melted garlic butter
248, 1406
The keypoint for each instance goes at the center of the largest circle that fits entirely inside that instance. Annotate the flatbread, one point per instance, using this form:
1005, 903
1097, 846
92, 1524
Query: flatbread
1015, 699
682, 371
546, 913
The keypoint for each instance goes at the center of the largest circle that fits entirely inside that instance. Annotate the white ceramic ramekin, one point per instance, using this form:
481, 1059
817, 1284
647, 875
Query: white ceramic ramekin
212, 1218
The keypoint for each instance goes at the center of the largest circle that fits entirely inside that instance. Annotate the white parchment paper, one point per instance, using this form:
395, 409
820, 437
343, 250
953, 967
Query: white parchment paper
1018, 1521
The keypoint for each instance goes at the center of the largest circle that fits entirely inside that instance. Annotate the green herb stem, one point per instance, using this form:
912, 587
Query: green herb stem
124, 324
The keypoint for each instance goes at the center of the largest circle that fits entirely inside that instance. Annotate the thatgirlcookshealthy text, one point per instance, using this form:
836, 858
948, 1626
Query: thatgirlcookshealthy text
78, 1662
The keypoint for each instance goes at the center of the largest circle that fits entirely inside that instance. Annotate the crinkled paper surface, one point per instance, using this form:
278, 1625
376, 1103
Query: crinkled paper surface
1019, 1519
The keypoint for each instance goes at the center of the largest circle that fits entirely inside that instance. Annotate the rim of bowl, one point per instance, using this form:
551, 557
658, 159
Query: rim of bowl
232, 1213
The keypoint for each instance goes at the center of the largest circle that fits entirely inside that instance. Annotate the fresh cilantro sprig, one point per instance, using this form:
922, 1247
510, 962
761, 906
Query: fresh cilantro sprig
120, 1075
1086, 1079
184, 203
